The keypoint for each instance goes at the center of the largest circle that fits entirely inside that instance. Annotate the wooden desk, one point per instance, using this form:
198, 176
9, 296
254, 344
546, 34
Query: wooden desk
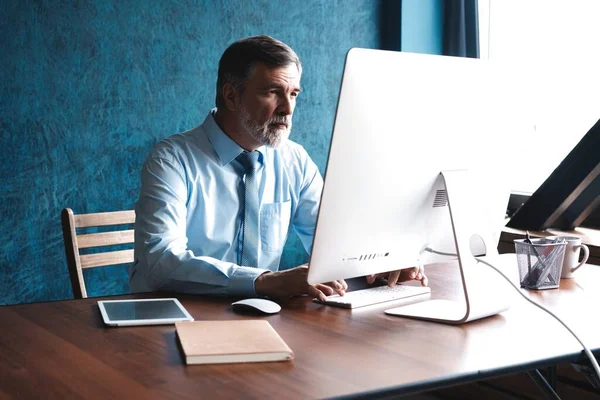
589, 237
62, 350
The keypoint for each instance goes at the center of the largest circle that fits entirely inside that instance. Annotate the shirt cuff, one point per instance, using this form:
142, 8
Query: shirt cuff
241, 283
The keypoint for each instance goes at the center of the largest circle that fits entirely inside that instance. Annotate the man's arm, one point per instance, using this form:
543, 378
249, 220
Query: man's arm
294, 281
163, 261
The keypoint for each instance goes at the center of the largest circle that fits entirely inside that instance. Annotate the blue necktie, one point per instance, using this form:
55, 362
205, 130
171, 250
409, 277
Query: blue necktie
251, 224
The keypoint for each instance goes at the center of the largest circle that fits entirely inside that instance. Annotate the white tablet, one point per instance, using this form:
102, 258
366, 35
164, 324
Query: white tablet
133, 312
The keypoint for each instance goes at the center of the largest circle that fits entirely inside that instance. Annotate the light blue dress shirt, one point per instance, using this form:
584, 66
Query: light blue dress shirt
188, 229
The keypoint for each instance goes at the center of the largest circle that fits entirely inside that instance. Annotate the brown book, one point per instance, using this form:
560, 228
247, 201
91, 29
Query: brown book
218, 342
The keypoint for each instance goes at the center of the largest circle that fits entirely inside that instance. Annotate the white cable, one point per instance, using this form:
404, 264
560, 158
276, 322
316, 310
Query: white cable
441, 253
587, 351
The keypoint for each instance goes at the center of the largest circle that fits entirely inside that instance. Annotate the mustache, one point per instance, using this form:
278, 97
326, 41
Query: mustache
280, 120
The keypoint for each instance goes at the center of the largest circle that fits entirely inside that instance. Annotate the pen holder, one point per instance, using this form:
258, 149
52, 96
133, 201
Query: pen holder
540, 262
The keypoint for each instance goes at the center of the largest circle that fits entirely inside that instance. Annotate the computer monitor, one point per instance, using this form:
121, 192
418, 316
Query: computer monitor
570, 194
413, 134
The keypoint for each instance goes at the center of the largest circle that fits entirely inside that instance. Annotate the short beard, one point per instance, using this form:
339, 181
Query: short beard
264, 133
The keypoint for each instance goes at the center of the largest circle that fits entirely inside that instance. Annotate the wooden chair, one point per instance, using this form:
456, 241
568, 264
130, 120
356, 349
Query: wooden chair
74, 242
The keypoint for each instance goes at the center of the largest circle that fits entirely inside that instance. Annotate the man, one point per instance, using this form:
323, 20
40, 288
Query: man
216, 202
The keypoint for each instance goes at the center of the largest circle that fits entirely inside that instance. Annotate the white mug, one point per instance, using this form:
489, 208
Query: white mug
571, 262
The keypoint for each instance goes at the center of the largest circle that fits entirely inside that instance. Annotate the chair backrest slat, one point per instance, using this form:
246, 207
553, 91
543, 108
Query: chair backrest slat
104, 219
75, 241
108, 258
104, 239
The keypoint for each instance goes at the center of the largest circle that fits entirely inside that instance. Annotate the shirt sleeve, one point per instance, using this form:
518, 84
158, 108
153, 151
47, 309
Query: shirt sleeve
162, 259
305, 217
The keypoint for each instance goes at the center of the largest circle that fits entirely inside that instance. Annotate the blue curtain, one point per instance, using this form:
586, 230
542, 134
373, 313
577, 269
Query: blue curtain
390, 25
460, 30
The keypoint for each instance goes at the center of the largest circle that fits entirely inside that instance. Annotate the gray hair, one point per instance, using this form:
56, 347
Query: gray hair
238, 61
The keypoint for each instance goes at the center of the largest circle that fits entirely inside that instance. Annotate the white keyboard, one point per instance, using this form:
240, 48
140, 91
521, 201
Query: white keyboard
375, 295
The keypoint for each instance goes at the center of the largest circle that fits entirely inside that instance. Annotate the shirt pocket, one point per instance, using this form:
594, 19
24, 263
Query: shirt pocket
274, 225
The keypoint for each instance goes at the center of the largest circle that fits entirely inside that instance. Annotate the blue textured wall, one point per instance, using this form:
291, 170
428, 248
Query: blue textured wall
88, 87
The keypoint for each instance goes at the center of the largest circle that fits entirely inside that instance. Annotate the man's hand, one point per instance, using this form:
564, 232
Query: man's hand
293, 282
402, 275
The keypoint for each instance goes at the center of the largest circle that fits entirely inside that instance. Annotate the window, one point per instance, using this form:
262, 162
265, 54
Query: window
553, 50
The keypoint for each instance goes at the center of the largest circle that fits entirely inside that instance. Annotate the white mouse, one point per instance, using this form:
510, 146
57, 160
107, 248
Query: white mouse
262, 305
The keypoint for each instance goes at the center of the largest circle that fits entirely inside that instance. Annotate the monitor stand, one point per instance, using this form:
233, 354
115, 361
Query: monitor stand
482, 297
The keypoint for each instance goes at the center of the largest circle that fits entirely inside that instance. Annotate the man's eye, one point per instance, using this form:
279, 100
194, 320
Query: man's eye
295, 94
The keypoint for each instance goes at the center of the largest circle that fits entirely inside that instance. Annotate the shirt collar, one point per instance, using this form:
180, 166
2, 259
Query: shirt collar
227, 149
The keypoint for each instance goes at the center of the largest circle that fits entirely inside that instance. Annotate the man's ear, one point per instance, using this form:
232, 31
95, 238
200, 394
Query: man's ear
231, 96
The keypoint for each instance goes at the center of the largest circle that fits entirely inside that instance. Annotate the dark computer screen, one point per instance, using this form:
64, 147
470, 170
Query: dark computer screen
136, 310
570, 195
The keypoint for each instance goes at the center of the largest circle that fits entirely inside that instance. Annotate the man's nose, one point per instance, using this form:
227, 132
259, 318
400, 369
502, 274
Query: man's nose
286, 106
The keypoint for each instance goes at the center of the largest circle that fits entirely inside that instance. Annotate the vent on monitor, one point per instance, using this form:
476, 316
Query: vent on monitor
372, 256
441, 198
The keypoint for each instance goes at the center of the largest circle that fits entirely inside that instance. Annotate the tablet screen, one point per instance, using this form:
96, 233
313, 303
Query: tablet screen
142, 311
